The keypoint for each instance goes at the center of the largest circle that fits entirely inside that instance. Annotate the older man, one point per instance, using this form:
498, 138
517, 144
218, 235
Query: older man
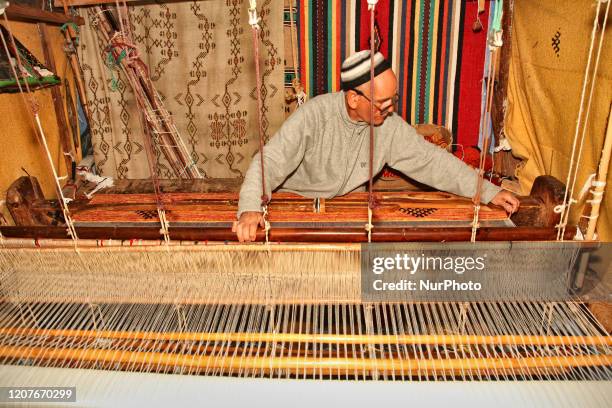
322, 149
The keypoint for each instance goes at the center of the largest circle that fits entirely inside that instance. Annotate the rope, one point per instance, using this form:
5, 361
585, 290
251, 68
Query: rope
475, 223
254, 22
129, 53
118, 6
148, 101
575, 160
485, 129
164, 225
369, 226
587, 185
153, 169
35, 121
253, 18
599, 183
267, 226
298, 90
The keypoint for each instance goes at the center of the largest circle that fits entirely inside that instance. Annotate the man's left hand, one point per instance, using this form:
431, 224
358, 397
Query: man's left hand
507, 200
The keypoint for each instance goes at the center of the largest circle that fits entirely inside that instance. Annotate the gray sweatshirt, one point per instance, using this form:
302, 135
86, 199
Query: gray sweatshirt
319, 151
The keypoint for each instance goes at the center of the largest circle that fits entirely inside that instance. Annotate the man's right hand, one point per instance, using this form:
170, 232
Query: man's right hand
246, 226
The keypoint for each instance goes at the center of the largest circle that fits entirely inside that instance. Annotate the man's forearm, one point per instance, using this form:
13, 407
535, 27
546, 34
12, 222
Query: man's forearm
461, 179
251, 191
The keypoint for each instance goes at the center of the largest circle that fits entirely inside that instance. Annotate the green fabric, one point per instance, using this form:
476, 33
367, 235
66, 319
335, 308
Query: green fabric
497, 17
113, 63
75, 27
31, 81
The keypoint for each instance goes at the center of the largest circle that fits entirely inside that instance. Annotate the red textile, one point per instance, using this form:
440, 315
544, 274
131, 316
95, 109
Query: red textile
383, 21
472, 65
471, 156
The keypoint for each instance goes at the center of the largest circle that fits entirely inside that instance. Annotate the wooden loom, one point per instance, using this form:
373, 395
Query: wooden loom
273, 311
280, 326
278, 310
207, 215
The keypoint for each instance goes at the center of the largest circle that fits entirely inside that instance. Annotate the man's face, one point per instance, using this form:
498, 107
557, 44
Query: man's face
385, 98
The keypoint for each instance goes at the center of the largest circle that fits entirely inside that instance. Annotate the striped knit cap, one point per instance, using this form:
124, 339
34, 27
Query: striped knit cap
356, 69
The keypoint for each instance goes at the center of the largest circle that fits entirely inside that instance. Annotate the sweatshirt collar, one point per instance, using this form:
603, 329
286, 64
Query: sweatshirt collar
344, 113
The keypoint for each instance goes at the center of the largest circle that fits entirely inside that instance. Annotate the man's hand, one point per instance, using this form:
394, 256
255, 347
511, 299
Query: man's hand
246, 226
507, 200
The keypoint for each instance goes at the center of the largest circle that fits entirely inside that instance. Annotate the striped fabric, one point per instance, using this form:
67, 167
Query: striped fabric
426, 42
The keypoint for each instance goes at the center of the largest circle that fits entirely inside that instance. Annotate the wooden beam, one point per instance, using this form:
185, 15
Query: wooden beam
22, 196
80, 3
333, 235
500, 92
505, 163
26, 13
58, 102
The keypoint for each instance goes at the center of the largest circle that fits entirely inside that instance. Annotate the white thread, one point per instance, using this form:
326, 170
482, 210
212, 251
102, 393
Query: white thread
67, 218
253, 18
475, 224
495, 40
572, 177
267, 225
372, 4
165, 225
594, 201
597, 193
586, 186
267, 228
369, 227
101, 182
559, 209
579, 236
504, 145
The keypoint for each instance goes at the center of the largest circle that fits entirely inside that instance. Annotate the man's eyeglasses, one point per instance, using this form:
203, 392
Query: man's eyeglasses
387, 103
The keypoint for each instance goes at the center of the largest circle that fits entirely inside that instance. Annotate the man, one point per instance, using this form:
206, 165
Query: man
322, 149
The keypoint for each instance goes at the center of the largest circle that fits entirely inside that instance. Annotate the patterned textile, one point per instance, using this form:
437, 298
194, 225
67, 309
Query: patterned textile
550, 48
470, 69
200, 56
437, 59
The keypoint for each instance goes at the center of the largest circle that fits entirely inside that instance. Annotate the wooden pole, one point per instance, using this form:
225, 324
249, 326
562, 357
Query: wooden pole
600, 182
328, 235
207, 362
71, 36
68, 152
413, 339
27, 13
